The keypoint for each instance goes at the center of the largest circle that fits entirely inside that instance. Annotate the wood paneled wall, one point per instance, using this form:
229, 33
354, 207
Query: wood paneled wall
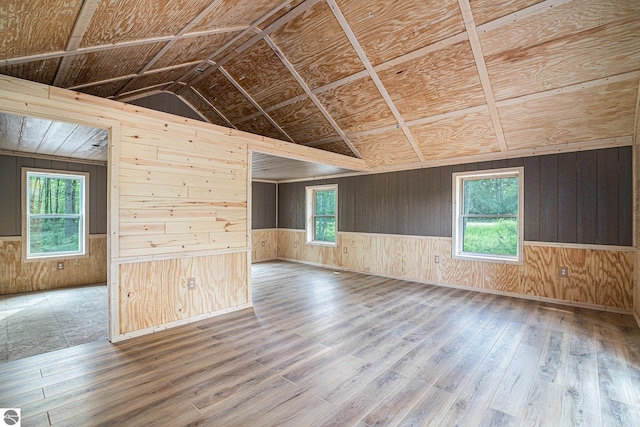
263, 205
583, 197
264, 245
597, 277
17, 276
10, 188
177, 203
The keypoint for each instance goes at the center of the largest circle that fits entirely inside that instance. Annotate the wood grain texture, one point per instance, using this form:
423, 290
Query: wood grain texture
264, 245
225, 97
230, 13
96, 66
273, 85
488, 10
193, 49
385, 148
387, 31
53, 20
569, 44
447, 80
118, 21
262, 126
17, 276
605, 111
469, 135
303, 122
195, 100
368, 108
155, 79
318, 60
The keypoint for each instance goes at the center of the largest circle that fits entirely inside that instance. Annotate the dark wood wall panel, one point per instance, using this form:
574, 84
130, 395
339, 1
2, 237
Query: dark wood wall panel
583, 197
263, 205
167, 103
10, 188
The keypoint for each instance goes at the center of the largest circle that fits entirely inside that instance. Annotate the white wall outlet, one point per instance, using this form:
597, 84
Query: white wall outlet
262, 243
344, 249
295, 246
437, 259
564, 271
191, 283
60, 265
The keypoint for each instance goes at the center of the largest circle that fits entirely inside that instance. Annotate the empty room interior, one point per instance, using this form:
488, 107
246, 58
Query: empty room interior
320, 212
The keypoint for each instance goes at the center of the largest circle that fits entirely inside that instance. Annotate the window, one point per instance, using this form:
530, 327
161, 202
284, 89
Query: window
322, 221
55, 213
487, 215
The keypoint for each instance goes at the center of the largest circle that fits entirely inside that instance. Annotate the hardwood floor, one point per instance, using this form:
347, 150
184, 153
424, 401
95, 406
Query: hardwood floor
329, 348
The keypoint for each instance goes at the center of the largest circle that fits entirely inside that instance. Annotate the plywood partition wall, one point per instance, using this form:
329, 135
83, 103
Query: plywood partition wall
178, 192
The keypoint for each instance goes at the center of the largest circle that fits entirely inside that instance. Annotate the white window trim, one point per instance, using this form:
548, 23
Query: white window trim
458, 179
309, 201
84, 252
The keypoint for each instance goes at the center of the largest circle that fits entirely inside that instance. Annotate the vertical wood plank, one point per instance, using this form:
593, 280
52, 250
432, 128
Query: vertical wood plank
586, 200
567, 231
548, 198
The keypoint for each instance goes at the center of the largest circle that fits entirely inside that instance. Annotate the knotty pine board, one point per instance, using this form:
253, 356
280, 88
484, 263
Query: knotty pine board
17, 276
596, 277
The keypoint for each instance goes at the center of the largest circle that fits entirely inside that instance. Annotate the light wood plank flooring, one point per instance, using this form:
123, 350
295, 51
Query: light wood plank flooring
327, 348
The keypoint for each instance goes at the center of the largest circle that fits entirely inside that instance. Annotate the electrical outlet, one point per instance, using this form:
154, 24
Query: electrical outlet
295, 246
191, 283
564, 271
60, 265
344, 249
437, 259
262, 243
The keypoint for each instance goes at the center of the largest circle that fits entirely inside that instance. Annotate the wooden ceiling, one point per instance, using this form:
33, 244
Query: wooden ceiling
400, 84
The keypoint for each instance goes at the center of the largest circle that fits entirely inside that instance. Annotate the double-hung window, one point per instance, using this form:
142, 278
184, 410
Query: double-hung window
488, 215
321, 213
55, 220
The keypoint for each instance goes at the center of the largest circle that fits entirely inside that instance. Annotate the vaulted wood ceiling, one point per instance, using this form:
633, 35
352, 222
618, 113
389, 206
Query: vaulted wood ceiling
397, 83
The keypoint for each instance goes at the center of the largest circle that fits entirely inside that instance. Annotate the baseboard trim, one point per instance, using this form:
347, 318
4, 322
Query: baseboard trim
486, 291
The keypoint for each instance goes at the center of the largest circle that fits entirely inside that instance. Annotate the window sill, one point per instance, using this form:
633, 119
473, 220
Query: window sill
496, 259
320, 243
56, 257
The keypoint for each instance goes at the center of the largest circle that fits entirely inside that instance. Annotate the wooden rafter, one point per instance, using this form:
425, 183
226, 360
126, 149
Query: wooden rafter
312, 96
206, 101
374, 76
253, 102
476, 48
80, 27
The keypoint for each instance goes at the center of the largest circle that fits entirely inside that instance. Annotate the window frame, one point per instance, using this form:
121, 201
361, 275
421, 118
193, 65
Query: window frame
310, 214
458, 180
84, 177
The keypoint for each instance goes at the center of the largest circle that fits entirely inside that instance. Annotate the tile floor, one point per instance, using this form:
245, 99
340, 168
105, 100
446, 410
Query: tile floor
40, 322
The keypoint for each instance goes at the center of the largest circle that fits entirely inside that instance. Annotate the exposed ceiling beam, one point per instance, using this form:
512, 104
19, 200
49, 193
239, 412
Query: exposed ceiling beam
312, 96
206, 101
476, 48
80, 27
254, 102
374, 76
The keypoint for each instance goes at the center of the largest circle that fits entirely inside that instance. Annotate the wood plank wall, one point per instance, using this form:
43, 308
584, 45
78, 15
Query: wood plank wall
264, 245
178, 196
584, 197
17, 276
598, 277
10, 188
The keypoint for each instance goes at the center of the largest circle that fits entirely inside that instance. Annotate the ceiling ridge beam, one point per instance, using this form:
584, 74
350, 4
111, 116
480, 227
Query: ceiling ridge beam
87, 10
527, 12
253, 27
374, 76
483, 73
576, 87
312, 96
254, 102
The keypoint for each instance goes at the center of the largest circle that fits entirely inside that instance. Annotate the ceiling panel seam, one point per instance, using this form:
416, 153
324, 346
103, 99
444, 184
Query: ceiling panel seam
481, 66
253, 102
374, 76
312, 96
